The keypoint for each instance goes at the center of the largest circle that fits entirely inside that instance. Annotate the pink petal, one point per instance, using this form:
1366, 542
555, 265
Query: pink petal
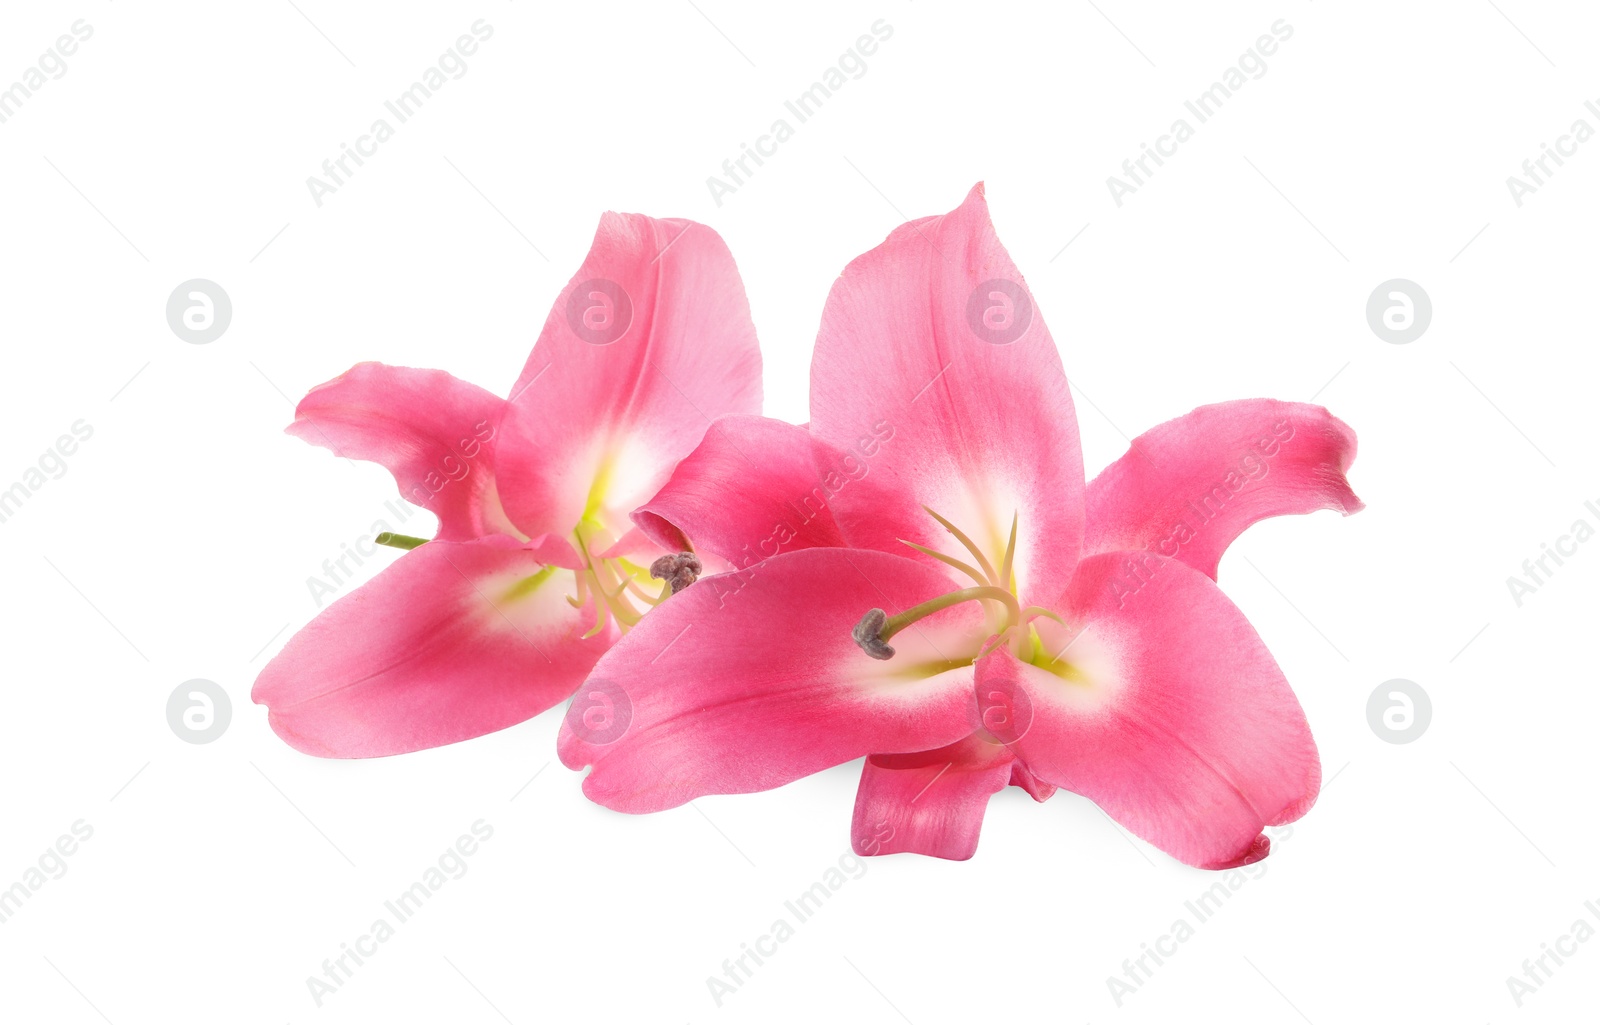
554, 551
1038, 789
972, 420
1187, 488
455, 640
753, 489
435, 433
648, 344
931, 802
747, 681
636, 545
1174, 717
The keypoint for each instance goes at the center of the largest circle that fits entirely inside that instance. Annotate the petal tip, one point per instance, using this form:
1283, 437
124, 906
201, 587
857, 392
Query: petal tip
295, 740
621, 801
1259, 848
571, 752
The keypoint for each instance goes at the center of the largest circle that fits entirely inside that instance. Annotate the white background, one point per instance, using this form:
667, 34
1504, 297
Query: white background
179, 542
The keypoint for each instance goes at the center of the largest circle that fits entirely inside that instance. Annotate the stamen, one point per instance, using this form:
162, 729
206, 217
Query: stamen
614, 584
602, 613
581, 578
1011, 551
993, 643
638, 591
977, 553
866, 634
1033, 612
947, 560
679, 570
400, 540
624, 612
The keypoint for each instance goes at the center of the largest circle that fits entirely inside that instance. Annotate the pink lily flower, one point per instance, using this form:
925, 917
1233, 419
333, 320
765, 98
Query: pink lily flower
535, 569
924, 579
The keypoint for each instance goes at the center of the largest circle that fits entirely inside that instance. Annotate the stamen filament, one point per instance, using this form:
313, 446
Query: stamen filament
1033, 612
977, 553
1011, 551
948, 561
645, 596
993, 643
581, 577
625, 614
617, 585
601, 615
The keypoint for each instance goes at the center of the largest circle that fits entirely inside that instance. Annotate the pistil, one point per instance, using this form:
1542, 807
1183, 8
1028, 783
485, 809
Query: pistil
679, 570
876, 627
873, 631
617, 586
400, 540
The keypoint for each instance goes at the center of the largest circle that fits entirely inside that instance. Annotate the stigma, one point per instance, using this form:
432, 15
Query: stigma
679, 570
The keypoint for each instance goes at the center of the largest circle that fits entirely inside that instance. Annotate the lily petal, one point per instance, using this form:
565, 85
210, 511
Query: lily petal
455, 640
786, 691
1168, 711
435, 433
648, 344
931, 802
933, 350
1187, 488
637, 545
1023, 777
752, 489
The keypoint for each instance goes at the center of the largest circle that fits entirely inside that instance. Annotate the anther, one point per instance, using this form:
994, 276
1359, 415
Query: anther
867, 634
678, 570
